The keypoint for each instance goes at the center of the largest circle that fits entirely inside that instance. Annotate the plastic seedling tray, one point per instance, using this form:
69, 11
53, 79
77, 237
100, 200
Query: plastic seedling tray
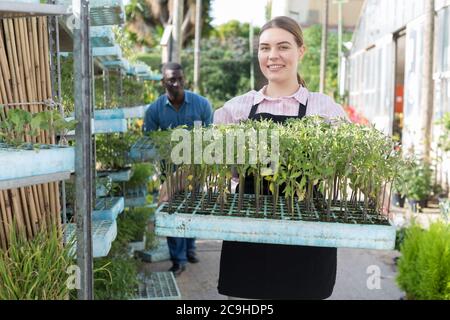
160, 253
188, 219
120, 113
110, 126
136, 197
103, 234
122, 175
143, 150
108, 208
102, 36
104, 12
26, 162
158, 286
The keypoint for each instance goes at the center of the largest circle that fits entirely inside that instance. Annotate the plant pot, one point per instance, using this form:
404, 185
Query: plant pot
398, 200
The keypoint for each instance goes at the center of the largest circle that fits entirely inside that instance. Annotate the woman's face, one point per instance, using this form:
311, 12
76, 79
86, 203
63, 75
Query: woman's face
278, 55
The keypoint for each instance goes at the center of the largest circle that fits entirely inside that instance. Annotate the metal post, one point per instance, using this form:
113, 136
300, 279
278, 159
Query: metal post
198, 36
178, 10
323, 52
340, 3
83, 149
427, 89
252, 65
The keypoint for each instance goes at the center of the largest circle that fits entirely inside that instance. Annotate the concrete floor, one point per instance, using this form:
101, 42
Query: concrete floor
361, 274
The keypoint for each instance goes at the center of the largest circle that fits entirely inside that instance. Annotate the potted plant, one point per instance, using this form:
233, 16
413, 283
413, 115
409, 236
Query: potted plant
418, 185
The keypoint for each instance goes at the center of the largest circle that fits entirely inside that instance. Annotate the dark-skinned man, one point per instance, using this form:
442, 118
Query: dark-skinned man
175, 108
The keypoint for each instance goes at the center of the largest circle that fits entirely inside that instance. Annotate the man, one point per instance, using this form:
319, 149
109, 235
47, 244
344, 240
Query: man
174, 108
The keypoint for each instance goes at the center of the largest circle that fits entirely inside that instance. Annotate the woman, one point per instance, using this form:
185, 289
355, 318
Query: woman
269, 271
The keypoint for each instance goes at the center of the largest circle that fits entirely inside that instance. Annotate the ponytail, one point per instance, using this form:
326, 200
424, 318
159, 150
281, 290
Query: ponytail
301, 81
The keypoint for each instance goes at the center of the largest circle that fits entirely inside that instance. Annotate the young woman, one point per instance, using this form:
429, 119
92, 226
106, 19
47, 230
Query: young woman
270, 271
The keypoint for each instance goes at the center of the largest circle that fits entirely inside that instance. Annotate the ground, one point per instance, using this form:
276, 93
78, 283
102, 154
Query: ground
355, 267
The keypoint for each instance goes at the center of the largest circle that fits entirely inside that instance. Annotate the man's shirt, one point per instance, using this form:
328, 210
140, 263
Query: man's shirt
162, 115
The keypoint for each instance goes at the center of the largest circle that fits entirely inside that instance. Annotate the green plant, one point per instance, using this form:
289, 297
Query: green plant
347, 164
35, 269
116, 279
20, 123
112, 150
418, 181
424, 266
141, 175
444, 139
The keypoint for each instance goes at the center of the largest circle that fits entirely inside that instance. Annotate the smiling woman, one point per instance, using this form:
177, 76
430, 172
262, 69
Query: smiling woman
271, 271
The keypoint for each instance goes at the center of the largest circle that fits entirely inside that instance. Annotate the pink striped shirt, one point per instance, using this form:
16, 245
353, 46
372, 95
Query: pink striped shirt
238, 108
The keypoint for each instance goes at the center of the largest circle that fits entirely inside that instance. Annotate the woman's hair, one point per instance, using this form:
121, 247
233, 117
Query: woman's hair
291, 26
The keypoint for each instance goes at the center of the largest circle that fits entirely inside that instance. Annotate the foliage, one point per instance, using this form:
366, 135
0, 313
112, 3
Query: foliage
35, 269
133, 224
444, 139
147, 18
117, 279
332, 156
225, 69
417, 181
310, 65
134, 92
141, 175
424, 267
112, 150
20, 123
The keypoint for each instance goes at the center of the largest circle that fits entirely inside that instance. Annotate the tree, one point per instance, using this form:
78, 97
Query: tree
146, 20
310, 65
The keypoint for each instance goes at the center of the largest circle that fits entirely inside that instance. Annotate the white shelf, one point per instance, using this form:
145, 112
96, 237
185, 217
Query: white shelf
14, 9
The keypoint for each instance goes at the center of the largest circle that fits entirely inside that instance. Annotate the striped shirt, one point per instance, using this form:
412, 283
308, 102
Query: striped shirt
238, 108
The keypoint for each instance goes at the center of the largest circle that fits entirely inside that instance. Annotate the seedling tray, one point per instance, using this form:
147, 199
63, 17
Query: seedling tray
102, 36
136, 197
103, 234
158, 286
122, 175
108, 208
28, 162
306, 227
120, 113
160, 253
143, 150
110, 126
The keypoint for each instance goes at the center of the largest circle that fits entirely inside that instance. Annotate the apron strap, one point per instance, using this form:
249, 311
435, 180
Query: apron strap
301, 110
253, 111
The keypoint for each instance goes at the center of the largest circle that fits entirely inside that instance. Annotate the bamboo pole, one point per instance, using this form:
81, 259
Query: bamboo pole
4, 217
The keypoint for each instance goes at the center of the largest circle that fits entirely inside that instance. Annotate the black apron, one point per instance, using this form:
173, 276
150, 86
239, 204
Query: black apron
275, 271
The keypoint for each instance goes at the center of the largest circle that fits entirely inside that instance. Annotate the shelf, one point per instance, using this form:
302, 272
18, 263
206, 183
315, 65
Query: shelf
17, 9
108, 208
28, 165
158, 286
143, 150
123, 175
111, 53
104, 12
304, 228
136, 197
120, 113
110, 126
102, 36
103, 234
160, 253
